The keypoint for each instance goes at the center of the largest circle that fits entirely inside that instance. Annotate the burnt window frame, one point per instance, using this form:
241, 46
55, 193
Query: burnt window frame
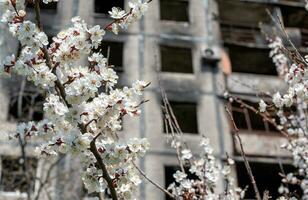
240, 32
268, 128
245, 69
164, 18
167, 51
254, 5
194, 128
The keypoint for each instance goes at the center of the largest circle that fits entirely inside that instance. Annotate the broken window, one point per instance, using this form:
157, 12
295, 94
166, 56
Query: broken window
115, 54
186, 115
103, 7
237, 30
13, 177
26, 101
176, 59
250, 60
267, 178
294, 17
174, 10
246, 119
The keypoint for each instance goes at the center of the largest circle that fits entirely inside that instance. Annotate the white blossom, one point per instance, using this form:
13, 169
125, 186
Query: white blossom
117, 13
262, 106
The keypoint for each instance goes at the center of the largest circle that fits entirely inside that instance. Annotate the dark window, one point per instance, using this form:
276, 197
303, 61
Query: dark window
186, 115
304, 37
267, 178
103, 6
176, 59
246, 119
52, 6
170, 170
174, 10
115, 54
26, 105
294, 17
251, 60
232, 12
12, 174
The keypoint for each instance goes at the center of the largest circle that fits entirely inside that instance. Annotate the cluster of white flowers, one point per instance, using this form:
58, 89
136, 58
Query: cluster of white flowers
82, 103
123, 18
31, 62
118, 158
293, 122
279, 59
200, 180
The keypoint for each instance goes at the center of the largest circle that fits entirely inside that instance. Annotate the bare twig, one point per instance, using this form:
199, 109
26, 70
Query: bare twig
154, 183
47, 178
21, 140
171, 120
248, 168
264, 116
282, 28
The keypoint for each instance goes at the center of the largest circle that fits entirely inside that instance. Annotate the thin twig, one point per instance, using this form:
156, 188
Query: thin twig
47, 178
248, 168
282, 28
264, 116
172, 124
154, 183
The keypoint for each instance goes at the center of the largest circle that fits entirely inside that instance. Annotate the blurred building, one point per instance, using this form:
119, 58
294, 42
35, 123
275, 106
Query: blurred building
198, 49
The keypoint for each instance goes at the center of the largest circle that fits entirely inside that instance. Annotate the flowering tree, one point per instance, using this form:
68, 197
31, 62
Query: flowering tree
290, 108
83, 109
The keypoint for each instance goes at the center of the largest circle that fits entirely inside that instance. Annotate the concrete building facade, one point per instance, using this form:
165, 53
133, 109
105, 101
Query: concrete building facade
196, 50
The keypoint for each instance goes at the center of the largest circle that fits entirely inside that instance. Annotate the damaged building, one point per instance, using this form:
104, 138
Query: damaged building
196, 50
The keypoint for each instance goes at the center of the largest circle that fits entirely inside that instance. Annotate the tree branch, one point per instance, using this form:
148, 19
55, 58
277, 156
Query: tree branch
62, 93
248, 168
102, 166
